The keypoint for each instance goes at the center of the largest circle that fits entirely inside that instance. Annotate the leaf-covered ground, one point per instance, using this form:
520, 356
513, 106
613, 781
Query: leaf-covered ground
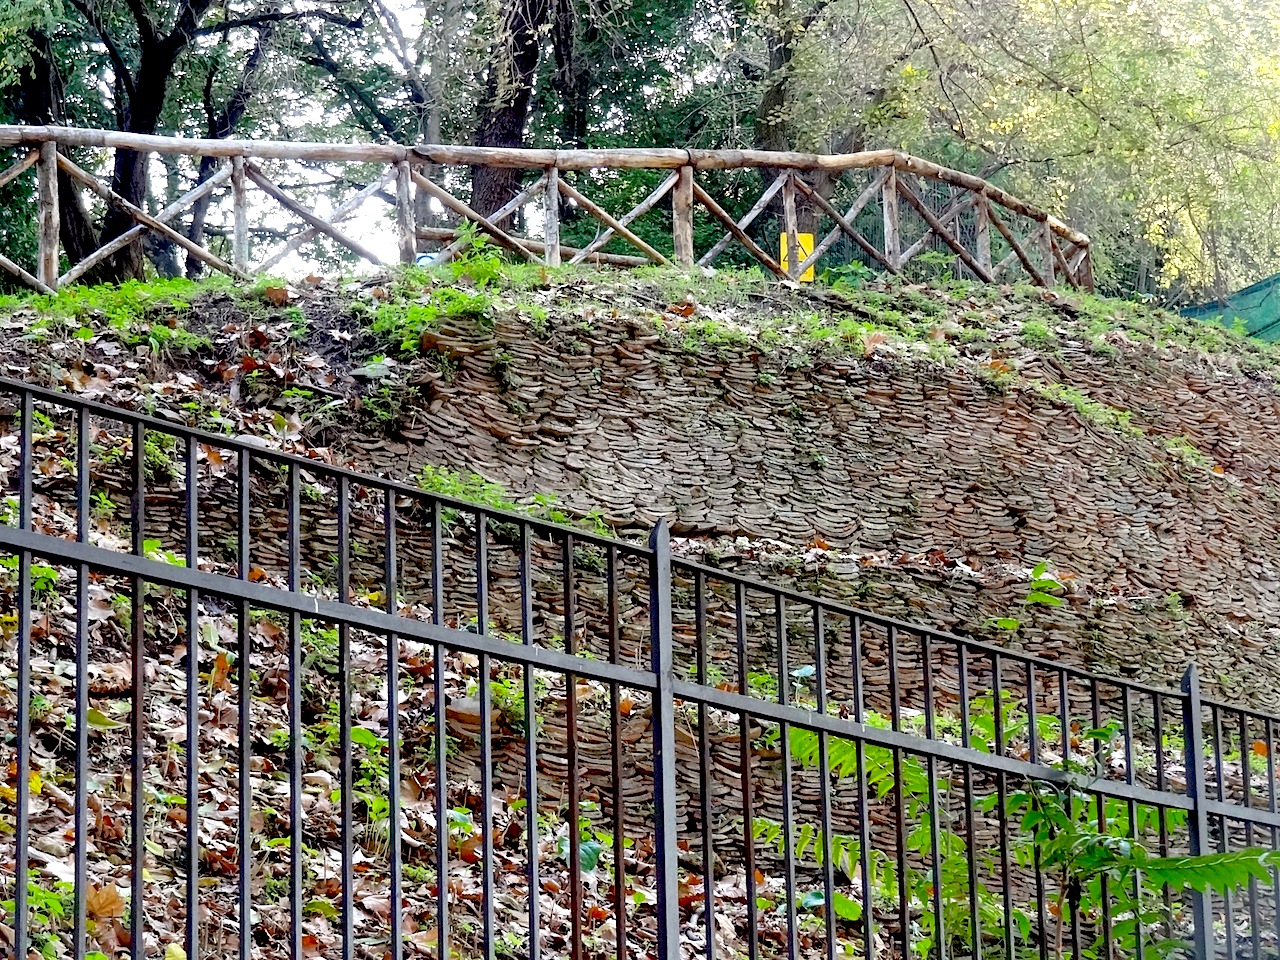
381, 374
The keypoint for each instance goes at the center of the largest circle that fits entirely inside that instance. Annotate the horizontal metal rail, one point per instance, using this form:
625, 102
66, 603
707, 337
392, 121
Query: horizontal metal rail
558, 670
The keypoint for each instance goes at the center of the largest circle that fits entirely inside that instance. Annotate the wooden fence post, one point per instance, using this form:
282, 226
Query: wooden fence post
789, 222
983, 233
682, 217
405, 230
551, 217
240, 216
47, 268
1084, 273
889, 200
1048, 268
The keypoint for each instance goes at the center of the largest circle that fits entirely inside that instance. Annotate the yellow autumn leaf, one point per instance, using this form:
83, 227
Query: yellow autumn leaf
10, 794
174, 951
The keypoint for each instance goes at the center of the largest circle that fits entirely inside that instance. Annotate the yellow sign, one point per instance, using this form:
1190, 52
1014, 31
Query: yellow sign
805, 242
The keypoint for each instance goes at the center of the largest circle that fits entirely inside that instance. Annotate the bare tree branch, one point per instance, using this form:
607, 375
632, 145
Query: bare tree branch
123, 74
279, 16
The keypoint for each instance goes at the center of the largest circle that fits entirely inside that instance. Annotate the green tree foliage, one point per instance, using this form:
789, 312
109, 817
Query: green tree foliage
1153, 126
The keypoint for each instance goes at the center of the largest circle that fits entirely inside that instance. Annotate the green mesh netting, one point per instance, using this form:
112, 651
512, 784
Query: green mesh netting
1257, 307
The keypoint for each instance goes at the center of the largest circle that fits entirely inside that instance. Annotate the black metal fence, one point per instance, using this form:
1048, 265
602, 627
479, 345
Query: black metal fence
260, 705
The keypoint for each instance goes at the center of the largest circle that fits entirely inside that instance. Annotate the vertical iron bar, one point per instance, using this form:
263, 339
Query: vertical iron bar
864, 820
391, 605
1101, 809
1033, 734
83, 480
704, 769
571, 745
824, 779
895, 695
1157, 707
744, 760
1006, 892
997, 704
244, 468
531, 737
971, 851
1269, 733
931, 771
193, 706
296, 748
486, 736
788, 838
1126, 718
664, 744
1198, 821
346, 763
138, 729
615, 739
899, 800
26, 465
440, 722
1246, 761
244, 480
22, 828
244, 732
1228, 906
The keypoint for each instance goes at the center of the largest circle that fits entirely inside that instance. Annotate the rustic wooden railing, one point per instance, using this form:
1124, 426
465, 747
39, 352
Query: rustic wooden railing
923, 207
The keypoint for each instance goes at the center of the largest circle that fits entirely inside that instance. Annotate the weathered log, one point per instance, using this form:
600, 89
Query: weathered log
682, 216
889, 203
757, 208
134, 233
445, 235
519, 200
28, 279
47, 266
1064, 268
502, 238
269, 188
982, 231
636, 158
1016, 247
144, 218
937, 227
404, 212
643, 207
338, 215
739, 234
22, 166
845, 225
551, 218
1046, 256
240, 217
953, 210
601, 214
790, 224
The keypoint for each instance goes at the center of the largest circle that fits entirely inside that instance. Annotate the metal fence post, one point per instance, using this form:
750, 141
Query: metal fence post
664, 743
1198, 822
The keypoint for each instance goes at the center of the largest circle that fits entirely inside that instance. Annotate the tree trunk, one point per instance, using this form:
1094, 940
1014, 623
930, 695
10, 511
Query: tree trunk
572, 78
40, 104
222, 123
129, 176
505, 108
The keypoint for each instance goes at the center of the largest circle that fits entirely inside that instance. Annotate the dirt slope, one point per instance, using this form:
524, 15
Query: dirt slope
912, 449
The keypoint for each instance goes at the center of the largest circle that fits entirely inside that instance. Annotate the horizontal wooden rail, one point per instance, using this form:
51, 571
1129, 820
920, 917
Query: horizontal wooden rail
1048, 250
